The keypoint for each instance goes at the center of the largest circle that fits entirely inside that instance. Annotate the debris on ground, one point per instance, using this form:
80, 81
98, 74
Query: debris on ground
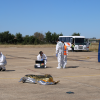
46, 79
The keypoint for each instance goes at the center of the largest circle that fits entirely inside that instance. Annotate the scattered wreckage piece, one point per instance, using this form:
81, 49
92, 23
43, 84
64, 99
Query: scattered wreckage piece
46, 79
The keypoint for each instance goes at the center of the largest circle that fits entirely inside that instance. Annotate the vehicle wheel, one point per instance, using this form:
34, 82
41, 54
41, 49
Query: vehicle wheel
3, 69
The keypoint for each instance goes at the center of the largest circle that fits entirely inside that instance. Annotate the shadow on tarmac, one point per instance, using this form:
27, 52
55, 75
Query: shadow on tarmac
9, 70
72, 66
80, 51
48, 67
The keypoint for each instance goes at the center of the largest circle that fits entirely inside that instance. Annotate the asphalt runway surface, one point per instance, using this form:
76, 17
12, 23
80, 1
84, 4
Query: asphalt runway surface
80, 80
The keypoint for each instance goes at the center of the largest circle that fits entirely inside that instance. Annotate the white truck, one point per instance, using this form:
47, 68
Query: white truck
80, 42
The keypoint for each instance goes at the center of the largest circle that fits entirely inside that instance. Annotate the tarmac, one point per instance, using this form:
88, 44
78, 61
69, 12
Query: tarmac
81, 76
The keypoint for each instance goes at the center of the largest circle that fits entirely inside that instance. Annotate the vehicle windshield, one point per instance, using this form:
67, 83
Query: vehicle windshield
79, 41
65, 39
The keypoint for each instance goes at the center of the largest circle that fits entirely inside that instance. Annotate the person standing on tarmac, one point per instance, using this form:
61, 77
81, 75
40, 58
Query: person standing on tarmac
65, 56
60, 53
73, 47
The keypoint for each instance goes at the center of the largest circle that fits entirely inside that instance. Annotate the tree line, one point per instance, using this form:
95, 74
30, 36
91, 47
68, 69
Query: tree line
37, 38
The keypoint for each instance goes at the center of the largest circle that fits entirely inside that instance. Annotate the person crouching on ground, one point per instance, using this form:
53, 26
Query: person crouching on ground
3, 62
42, 57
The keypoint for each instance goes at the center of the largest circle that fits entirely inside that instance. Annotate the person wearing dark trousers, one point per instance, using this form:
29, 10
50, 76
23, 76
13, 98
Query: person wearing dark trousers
73, 47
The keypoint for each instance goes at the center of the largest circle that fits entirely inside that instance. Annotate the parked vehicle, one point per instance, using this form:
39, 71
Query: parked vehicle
80, 42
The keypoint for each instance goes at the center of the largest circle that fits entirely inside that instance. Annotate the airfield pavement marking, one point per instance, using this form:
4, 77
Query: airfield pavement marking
10, 78
62, 76
85, 84
80, 76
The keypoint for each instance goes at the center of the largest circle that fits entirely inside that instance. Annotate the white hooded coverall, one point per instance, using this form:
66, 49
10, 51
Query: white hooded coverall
39, 58
3, 61
60, 53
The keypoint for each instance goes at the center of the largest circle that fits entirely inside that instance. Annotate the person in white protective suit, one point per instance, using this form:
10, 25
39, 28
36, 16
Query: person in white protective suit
60, 53
3, 62
42, 57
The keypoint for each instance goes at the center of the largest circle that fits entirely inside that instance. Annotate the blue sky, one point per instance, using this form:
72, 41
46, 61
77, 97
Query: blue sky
60, 16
